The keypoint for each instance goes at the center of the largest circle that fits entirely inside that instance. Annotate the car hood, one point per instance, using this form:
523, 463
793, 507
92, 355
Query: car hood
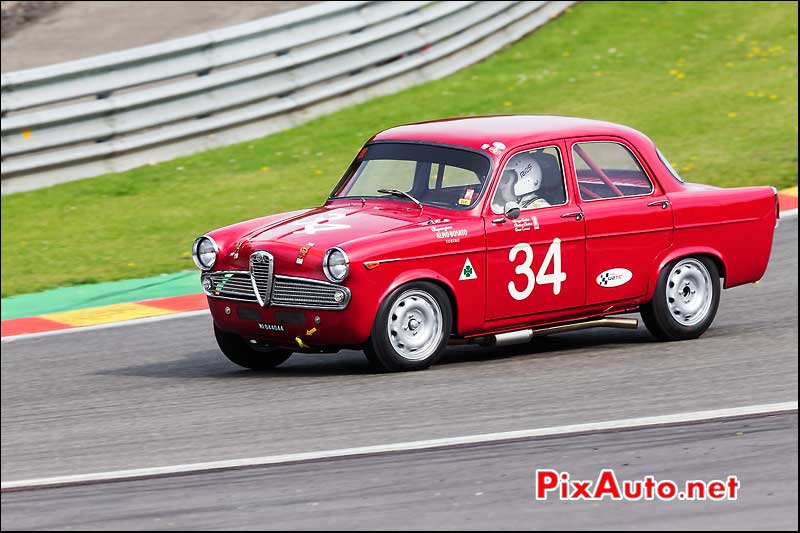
311, 233
335, 225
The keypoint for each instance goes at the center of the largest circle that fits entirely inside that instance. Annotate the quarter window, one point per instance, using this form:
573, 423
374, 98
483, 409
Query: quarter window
608, 170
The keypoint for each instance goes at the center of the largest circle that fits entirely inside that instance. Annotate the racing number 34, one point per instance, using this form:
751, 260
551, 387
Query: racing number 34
542, 277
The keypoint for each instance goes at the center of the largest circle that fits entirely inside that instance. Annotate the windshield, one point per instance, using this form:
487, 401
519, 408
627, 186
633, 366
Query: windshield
433, 175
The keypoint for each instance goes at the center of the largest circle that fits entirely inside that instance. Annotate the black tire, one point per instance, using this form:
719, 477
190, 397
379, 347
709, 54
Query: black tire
239, 352
663, 317
420, 302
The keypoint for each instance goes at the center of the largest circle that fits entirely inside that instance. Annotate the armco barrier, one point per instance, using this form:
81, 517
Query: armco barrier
116, 111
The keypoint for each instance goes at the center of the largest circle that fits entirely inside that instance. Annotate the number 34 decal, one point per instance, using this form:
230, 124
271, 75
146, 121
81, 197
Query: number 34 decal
542, 277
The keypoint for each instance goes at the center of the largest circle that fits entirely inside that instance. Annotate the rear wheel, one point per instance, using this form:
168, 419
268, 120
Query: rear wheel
411, 328
685, 301
247, 355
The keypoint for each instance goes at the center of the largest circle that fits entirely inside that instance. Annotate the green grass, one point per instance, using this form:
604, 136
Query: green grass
714, 84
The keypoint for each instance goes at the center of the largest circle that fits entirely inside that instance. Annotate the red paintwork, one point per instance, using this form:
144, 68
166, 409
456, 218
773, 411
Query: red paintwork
735, 226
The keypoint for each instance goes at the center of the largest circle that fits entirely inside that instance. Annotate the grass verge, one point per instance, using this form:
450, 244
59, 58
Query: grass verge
714, 84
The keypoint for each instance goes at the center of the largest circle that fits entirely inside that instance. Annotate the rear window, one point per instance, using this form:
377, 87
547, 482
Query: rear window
670, 168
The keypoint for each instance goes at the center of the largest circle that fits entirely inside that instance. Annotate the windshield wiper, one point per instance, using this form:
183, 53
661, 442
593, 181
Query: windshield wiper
398, 192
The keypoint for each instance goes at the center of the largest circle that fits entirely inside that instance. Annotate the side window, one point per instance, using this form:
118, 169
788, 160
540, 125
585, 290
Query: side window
533, 179
608, 170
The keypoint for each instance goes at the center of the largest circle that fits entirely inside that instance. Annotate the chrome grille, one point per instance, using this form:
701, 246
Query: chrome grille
299, 292
233, 285
262, 275
286, 291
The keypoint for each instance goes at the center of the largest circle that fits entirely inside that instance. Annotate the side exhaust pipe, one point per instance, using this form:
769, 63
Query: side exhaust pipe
526, 335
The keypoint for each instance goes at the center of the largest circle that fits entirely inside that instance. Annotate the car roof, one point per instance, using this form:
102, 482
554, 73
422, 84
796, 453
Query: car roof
511, 130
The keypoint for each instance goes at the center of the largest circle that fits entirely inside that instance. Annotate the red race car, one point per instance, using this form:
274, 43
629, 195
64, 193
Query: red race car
487, 230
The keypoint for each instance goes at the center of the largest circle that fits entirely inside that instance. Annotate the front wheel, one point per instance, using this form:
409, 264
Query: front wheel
240, 352
411, 328
685, 301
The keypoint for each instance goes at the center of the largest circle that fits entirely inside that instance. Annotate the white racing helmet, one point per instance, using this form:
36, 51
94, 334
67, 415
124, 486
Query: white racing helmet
529, 174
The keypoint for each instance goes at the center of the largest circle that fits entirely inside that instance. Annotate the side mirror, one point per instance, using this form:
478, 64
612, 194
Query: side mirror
512, 210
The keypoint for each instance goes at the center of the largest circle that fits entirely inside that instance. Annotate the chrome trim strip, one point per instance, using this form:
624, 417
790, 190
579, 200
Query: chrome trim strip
327, 271
263, 301
428, 256
194, 253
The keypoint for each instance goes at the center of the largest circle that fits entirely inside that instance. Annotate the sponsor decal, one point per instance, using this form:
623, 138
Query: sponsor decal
468, 271
323, 222
301, 255
496, 147
449, 234
467, 199
614, 277
525, 224
270, 327
311, 331
301, 344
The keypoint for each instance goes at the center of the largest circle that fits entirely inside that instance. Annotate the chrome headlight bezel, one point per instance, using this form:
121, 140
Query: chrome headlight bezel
196, 252
327, 270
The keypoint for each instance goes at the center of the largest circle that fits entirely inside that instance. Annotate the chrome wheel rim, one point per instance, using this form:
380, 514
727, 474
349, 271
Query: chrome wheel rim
689, 292
415, 325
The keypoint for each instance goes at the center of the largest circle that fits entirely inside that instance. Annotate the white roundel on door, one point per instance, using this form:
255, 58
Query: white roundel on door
614, 277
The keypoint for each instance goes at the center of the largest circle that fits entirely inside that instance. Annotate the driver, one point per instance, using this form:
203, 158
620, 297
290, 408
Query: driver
519, 183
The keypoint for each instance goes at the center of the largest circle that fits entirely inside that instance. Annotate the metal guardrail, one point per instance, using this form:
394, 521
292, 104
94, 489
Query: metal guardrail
120, 110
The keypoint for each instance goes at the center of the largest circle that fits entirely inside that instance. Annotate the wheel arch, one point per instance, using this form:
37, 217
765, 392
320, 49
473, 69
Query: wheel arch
429, 276
679, 253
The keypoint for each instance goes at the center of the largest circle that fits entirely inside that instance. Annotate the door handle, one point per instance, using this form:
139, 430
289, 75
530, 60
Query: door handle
663, 203
577, 215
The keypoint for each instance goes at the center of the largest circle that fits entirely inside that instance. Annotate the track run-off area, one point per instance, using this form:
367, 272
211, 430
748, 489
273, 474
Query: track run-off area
159, 395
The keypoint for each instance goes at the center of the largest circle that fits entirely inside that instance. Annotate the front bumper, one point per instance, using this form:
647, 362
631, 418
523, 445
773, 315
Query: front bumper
290, 327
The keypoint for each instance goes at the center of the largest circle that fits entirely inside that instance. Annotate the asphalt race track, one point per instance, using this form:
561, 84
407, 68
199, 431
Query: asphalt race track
482, 487
161, 394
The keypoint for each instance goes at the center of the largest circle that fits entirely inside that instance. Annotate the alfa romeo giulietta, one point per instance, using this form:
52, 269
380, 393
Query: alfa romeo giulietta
487, 230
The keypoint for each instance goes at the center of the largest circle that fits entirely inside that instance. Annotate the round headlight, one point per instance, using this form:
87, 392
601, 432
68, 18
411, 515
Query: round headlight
204, 252
336, 265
